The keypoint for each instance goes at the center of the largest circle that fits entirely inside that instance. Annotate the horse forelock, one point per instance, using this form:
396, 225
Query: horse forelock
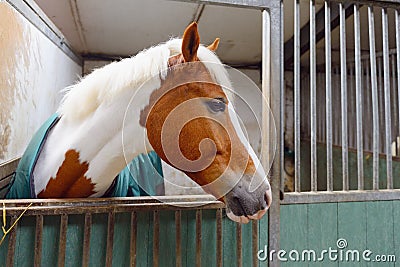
104, 84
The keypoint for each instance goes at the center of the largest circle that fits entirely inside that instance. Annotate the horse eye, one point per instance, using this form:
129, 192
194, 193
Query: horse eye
216, 105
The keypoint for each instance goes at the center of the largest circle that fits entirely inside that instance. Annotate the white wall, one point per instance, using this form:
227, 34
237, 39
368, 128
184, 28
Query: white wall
33, 71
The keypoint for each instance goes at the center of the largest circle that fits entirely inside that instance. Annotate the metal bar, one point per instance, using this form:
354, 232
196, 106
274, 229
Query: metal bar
198, 238
397, 15
63, 240
386, 75
313, 96
394, 100
12, 240
381, 105
239, 255
219, 237
341, 196
38, 240
273, 88
178, 247
357, 37
296, 77
367, 107
305, 32
328, 81
110, 238
343, 91
156, 237
132, 256
254, 241
374, 97
86, 239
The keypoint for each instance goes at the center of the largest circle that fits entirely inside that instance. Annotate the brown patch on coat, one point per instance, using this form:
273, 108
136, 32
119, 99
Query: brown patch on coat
70, 180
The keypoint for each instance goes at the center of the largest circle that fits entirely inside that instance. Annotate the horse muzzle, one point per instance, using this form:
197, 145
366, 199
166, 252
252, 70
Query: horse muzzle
245, 203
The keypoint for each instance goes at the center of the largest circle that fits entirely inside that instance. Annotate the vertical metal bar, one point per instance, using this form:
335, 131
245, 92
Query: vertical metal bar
12, 242
63, 240
198, 238
86, 239
393, 99
343, 91
239, 258
38, 240
359, 122
254, 239
328, 81
132, 258
351, 92
178, 253
219, 237
381, 105
397, 15
110, 239
367, 98
273, 88
388, 121
156, 237
313, 96
297, 181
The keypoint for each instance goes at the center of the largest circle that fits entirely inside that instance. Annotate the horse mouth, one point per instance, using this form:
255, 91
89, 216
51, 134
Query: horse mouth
242, 214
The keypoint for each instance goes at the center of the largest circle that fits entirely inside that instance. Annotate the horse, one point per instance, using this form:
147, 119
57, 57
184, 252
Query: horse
174, 99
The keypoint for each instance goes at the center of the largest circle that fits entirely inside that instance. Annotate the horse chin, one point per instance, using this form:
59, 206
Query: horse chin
245, 219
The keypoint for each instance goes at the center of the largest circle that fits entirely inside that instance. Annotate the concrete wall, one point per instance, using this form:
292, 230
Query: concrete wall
33, 71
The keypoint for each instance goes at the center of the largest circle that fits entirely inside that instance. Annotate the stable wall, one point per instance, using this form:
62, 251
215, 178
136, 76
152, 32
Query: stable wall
33, 71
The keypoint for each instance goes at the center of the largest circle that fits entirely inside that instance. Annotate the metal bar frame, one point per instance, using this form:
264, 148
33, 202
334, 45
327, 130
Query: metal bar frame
359, 98
328, 98
313, 98
374, 94
340, 196
386, 78
343, 91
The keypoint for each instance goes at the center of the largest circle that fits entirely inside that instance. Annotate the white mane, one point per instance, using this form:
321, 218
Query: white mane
103, 84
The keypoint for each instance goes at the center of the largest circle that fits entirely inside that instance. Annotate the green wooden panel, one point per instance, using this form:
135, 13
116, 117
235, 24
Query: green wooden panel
396, 231
263, 237
247, 246
24, 252
122, 234
352, 227
229, 242
98, 240
51, 235
380, 229
74, 244
188, 235
294, 231
208, 238
167, 238
322, 231
144, 239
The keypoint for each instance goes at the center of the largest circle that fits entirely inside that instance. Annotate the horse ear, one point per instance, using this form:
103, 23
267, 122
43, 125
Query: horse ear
214, 45
190, 43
